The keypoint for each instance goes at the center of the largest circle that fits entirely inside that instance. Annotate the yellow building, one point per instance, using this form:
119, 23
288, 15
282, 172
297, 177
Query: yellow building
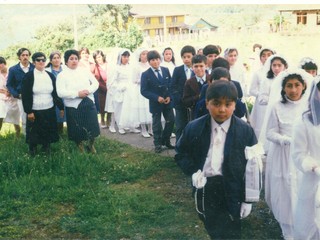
168, 25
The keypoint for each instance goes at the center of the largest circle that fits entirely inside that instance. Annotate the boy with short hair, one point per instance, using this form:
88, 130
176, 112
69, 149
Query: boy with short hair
155, 83
212, 151
211, 52
192, 87
179, 77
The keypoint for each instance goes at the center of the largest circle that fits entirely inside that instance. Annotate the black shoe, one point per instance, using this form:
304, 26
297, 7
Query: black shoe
168, 144
158, 149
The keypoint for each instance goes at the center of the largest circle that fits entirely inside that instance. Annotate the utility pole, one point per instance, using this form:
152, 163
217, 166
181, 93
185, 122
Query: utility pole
75, 28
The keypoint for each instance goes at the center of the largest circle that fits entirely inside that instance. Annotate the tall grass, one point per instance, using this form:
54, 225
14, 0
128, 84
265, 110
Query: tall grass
119, 193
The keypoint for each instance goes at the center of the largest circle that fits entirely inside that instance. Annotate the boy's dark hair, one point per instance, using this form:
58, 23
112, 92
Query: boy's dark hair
37, 55
199, 59
286, 79
68, 53
153, 54
2, 60
220, 72
220, 62
210, 49
222, 89
270, 73
21, 50
188, 49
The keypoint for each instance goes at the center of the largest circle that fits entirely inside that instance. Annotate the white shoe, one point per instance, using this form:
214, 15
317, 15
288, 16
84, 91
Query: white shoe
145, 134
103, 126
122, 131
150, 133
126, 129
134, 130
112, 129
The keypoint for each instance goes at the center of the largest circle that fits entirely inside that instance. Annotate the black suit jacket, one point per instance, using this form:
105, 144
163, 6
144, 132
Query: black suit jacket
151, 88
27, 92
177, 85
192, 149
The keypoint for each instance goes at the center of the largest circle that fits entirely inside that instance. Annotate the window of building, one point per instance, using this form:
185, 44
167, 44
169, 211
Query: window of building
318, 18
147, 20
174, 19
160, 19
302, 18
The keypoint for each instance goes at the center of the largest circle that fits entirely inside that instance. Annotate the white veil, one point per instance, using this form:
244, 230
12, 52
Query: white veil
314, 102
275, 97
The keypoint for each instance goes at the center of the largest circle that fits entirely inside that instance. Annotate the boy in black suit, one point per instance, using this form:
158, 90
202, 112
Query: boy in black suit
155, 84
212, 151
179, 77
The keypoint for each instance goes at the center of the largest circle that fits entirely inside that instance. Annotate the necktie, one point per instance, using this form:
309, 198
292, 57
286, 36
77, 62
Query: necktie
159, 75
217, 149
188, 73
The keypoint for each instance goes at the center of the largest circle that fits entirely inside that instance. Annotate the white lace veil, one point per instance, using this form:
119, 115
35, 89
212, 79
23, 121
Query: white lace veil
120, 54
275, 97
314, 103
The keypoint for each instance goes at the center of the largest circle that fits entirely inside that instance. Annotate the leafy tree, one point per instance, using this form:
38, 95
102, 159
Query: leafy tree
57, 37
113, 27
131, 38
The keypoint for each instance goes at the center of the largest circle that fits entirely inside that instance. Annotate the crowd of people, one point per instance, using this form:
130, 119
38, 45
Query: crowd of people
201, 103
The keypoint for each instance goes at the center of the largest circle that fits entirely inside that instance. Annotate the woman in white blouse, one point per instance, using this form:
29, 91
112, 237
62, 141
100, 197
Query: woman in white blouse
76, 86
39, 98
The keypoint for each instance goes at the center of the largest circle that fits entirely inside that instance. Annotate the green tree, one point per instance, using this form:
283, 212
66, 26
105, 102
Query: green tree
56, 37
113, 28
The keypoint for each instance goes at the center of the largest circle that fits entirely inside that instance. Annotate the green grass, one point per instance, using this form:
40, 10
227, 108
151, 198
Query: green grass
119, 193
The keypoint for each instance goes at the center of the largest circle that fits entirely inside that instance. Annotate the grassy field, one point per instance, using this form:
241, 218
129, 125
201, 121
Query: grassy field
120, 193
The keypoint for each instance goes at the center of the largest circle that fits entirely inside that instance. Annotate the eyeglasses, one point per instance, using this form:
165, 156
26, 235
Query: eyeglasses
41, 60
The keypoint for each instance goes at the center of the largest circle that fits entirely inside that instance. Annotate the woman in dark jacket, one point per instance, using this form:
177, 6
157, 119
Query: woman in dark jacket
39, 98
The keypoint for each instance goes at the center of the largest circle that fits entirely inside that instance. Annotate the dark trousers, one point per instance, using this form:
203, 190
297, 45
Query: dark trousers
216, 218
181, 121
162, 135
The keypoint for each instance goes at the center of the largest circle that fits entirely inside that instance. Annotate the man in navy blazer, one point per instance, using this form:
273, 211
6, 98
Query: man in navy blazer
179, 77
15, 76
155, 83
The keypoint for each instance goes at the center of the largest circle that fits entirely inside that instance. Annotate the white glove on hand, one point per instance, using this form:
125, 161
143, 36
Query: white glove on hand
285, 140
317, 171
245, 210
263, 99
198, 179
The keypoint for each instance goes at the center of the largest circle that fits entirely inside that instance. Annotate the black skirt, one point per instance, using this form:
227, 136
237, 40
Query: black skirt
82, 122
44, 129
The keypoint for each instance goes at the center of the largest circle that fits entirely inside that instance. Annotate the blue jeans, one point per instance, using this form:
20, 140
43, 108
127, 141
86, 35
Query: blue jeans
162, 135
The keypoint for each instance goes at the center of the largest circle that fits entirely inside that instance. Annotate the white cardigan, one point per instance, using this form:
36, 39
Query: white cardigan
71, 81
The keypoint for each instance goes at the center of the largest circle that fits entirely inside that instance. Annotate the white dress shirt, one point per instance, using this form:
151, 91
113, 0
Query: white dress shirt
213, 167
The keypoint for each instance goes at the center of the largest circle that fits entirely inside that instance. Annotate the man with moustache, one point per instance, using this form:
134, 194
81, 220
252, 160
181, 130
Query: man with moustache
15, 77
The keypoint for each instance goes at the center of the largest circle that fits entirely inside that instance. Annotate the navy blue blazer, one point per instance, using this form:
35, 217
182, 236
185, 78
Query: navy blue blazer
152, 88
178, 81
15, 77
192, 149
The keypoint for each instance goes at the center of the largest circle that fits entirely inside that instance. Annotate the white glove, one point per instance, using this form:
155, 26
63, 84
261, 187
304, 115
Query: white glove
263, 99
317, 171
285, 140
245, 210
198, 179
